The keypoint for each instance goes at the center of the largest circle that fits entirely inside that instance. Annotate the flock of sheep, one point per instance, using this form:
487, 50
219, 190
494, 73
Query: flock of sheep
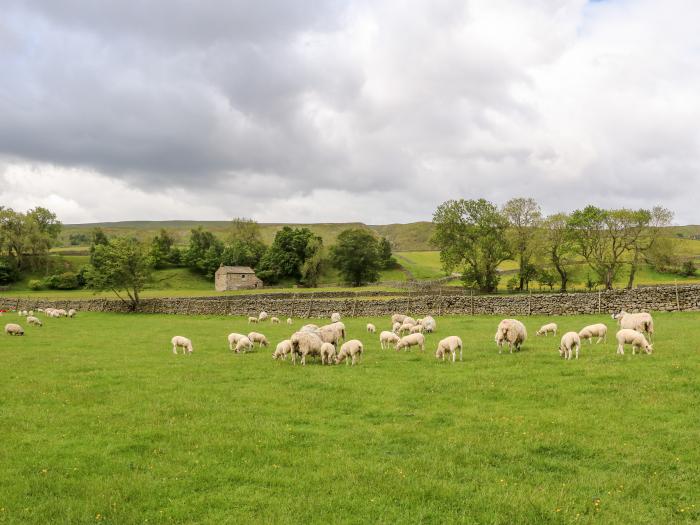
322, 341
16, 329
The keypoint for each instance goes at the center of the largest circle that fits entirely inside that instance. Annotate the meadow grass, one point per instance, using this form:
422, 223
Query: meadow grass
101, 422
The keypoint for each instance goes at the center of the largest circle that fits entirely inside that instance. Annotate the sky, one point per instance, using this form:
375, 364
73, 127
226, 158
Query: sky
337, 111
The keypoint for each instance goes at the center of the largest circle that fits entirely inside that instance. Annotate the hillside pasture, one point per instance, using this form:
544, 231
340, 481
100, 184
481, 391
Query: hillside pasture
101, 422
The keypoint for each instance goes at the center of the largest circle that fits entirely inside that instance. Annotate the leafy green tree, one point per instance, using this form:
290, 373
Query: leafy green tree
386, 257
312, 266
244, 244
546, 278
286, 256
161, 245
123, 265
652, 224
558, 246
26, 238
524, 217
471, 235
98, 238
688, 269
204, 252
356, 255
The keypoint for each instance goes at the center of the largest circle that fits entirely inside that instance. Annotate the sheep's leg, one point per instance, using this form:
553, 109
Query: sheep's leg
576, 351
175, 349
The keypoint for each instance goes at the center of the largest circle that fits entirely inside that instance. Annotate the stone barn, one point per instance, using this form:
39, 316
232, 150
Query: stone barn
235, 278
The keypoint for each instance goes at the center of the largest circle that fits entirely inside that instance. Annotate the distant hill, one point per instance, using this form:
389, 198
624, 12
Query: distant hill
413, 236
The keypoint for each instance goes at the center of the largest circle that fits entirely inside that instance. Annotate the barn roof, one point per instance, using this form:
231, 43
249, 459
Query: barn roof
235, 269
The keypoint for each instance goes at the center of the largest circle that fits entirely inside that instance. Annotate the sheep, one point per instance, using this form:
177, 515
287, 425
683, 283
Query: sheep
449, 345
21, 313
71, 313
335, 317
33, 320
274, 320
633, 337
328, 334
428, 323
340, 328
328, 353
255, 337
30, 313
405, 329
61, 313
396, 327
416, 329
545, 329
233, 339
387, 338
351, 349
598, 330
641, 322
409, 321
13, 329
511, 331
570, 342
411, 340
398, 318
252, 320
371, 328
309, 328
304, 344
283, 348
289, 321
262, 316
244, 345
182, 342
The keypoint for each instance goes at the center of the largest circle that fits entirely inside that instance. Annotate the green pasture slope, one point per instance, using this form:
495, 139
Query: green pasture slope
102, 423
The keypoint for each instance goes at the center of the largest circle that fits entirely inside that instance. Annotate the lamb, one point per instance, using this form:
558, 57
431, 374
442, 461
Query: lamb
71, 313
289, 321
328, 353
405, 329
13, 329
570, 342
244, 345
351, 349
274, 320
598, 330
429, 324
511, 331
233, 339
33, 320
182, 342
416, 329
335, 317
387, 338
633, 337
449, 345
396, 327
283, 348
641, 322
411, 340
304, 344
262, 316
371, 328
255, 337
398, 318
252, 320
545, 329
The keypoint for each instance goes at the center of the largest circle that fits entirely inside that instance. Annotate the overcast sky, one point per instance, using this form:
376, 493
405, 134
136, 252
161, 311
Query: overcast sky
357, 110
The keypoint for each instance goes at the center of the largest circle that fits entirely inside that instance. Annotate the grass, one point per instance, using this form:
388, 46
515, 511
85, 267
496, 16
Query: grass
102, 423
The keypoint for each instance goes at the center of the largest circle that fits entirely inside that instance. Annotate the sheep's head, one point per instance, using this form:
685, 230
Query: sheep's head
562, 351
649, 348
438, 353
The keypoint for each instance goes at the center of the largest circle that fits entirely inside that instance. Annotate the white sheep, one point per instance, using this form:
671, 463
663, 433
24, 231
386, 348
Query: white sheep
598, 330
182, 342
405, 329
340, 328
328, 353
546, 329
33, 320
328, 334
633, 337
305, 344
255, 337
30, 313
409, 321
570, 343
387, 338
13, 329
335, 317
252, 319
350, 350
449, 345
233, 339
510, 331
371, 328
398, 318
416, 329
289, 321
396, 327
71, 313
283, 348
641, 322
411, 340
244, 345
274, 320
428, 323
262, 316
309, 328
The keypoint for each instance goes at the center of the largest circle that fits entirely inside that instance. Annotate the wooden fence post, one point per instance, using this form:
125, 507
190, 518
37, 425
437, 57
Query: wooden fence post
678, 303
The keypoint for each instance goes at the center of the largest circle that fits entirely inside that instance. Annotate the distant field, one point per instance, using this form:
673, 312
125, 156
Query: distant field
102, 423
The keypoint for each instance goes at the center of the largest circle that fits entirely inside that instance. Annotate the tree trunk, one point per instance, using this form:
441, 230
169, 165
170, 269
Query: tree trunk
522, 273
633, 269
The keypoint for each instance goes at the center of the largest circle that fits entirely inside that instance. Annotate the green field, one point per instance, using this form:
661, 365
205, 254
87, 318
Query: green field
101, 422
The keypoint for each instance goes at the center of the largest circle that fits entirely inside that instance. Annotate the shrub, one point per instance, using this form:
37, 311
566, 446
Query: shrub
62, 281
687, 269
513, 284
35, 284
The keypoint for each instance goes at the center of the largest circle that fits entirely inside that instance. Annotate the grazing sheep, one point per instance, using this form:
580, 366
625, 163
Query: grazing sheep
31, 312
449, 345
548, 328
71, 313
328, 334
405, 329
416, 329
262, 316
283, 348
570, 342
255, 337
396, 327
510, 331
371, 328
33, 320
274, 320
289, 321
398, 318
182, 342
244, 345
409, 321
252, 320
13, 329
233, 339
641, 322
340, 328
61, 313
351, 349
309, 328
387, 338
304, 344
411, 340
335, 317
633, 337
598, 330
429, 324
328, 354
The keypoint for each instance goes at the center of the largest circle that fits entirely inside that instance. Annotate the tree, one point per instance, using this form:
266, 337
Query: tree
98, 238
121, 265
244, 244
546, 278
471, 234
161, 245
524, 217
26, 238
286, 256
653, 223
386, 258
558, 249
204, 252
356, 256
313, 262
